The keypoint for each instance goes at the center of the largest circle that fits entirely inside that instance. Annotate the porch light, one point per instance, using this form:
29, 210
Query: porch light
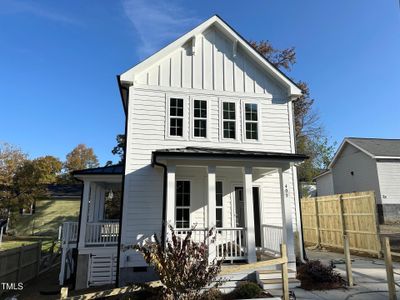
110, 195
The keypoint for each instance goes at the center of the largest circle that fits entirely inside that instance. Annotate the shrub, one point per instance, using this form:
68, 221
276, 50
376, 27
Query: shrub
316, 276
181, 264
212, 294
247, 290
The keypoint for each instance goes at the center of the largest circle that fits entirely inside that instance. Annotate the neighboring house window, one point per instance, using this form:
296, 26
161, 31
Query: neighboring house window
176, 117
219, 212
251, 121
200, 118
229, 120
182, 204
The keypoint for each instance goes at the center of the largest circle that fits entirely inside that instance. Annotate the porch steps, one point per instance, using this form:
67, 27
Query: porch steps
271, 280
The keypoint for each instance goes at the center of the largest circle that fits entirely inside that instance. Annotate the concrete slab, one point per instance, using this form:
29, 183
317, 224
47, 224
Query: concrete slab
369, 276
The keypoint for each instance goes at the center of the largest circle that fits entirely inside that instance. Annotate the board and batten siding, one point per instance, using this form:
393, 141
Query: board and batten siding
213, 66
389, 181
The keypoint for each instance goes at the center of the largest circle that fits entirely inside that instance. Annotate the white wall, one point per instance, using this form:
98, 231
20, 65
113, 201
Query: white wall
364, 178
325, 185
389, 181
237, 80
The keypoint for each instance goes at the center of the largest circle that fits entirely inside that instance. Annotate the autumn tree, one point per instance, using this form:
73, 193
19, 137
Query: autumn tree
81, 157
11, 159
309, 132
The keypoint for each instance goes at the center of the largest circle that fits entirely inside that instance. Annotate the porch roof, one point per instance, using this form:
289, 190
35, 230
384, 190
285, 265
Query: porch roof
108, 170
227, 153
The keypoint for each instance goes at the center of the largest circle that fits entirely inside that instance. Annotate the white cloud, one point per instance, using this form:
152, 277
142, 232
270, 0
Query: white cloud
16, 6
157, 22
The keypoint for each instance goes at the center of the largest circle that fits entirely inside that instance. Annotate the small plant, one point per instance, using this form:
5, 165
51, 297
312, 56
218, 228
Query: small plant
212, 294
316, 276
182, 264
246, 290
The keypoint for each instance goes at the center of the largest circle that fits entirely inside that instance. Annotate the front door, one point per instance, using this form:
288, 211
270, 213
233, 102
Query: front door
240, 214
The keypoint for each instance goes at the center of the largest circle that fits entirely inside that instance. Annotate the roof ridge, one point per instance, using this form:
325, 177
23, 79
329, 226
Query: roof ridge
373, 138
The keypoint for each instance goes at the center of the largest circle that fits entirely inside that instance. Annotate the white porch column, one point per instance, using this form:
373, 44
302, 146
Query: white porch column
171, 186
211, 207
287, 225
92, 201
249, 214
84, 213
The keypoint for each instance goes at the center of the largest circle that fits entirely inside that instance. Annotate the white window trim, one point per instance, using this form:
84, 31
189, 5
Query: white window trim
185, 98
190, 202
222, 206
243, 115
192, 118
221, 120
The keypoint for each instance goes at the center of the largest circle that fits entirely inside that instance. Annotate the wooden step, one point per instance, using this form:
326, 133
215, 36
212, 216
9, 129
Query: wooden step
274, 284
274, 274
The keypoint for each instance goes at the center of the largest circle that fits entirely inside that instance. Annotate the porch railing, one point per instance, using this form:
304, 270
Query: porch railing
272, 238
230, 243
102, 233
69, 233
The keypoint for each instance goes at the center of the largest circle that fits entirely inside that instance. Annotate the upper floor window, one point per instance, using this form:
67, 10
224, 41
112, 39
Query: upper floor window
200, 118
176, 117
251, 121
229, 120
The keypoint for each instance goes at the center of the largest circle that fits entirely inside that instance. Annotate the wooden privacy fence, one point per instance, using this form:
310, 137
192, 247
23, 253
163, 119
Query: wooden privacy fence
20, 264
327, 219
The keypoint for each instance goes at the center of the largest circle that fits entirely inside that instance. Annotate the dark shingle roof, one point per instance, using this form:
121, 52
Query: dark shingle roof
228, 153
109, 170
378, 147
64, 190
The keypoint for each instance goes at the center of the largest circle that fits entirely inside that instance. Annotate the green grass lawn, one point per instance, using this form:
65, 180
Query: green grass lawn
48, 216
6, 245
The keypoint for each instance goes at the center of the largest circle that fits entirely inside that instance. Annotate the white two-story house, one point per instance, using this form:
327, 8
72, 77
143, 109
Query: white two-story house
209, 143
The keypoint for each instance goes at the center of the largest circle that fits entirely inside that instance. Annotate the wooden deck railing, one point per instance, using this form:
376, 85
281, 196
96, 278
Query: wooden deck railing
102, 233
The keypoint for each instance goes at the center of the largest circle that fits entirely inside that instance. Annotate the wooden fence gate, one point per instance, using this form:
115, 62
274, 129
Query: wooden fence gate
326, 219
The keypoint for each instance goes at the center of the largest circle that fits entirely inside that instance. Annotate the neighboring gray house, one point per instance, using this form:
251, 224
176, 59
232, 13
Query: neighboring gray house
363, 164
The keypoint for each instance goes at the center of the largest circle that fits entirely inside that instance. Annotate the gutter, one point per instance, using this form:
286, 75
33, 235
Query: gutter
164, 209
126, 109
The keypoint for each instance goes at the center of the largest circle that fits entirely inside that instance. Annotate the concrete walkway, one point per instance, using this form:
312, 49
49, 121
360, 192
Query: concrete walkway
369, 276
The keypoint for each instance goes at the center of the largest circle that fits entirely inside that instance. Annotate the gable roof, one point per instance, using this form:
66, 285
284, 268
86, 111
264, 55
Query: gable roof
374, 147
293, 89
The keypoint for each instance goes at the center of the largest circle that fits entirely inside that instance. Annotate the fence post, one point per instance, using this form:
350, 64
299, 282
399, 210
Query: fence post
64, 292
317, 222
349, 272
285, 277
376, 220
38, 257
21, 251
341, 215
389, 268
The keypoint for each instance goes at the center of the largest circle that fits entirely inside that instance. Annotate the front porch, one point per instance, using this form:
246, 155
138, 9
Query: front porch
248, 202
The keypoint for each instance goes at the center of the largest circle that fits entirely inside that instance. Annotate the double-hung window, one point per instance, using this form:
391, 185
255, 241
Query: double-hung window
200, 118
182, 204
251, 121
175, 117
219, 204
229, 120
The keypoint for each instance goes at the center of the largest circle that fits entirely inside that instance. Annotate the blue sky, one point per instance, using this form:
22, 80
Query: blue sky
59, 59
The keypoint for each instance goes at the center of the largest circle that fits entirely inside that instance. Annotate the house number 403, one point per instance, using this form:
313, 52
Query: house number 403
286, 191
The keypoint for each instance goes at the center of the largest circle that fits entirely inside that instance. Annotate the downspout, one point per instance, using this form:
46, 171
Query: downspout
164, 209
126, 109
